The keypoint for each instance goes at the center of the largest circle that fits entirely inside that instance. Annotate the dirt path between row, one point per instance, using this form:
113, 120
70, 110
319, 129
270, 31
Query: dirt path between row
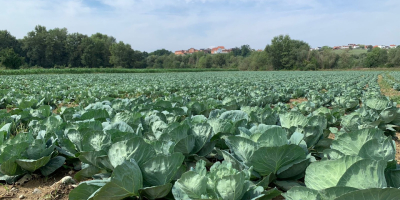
39, 188
390, 92
385, 90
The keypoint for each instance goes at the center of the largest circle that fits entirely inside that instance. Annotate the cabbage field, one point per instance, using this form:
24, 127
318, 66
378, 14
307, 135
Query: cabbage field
206, 135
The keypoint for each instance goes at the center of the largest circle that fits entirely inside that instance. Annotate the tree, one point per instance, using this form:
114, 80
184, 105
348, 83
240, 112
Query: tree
245, 50
218, 60
286, 53
370, 47
122, 55
56, 47
9, 41
10, 59
205, 61
75, 48
394, 57
376, 58
35, 46
236, 51
96, 51
161, 52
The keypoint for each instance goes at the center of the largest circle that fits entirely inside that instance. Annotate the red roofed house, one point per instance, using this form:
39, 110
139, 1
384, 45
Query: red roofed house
180, 52
192, 50
217, 49
392, 46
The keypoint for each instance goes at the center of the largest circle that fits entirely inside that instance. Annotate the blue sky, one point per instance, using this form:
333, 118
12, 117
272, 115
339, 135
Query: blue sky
180, 24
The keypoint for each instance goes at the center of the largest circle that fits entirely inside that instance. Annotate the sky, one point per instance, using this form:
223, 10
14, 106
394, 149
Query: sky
148, 25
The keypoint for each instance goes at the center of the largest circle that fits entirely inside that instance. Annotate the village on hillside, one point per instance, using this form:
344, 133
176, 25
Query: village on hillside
222, 49
215, 50
357, 46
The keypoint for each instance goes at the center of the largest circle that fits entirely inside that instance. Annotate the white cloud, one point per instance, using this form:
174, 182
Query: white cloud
180, 24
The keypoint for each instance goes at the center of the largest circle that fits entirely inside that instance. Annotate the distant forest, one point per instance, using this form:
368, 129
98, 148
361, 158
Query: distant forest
56, 48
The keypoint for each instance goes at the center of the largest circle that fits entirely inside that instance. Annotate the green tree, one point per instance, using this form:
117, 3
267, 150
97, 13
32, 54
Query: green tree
218, 60
245, 50
122, 55
56, 47
10, 59
394, 57
9, 41
345, 60
369, 47
286, 53
96, 51
75, 48
161, 52
205, 61
236, 51
35, 46
376, 58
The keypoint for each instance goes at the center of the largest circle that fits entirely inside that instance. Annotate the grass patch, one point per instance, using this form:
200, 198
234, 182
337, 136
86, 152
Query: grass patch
103, 70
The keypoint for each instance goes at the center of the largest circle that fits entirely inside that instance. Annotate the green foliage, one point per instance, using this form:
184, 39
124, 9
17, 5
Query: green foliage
227, 135
10, 59
286, 53
122, 55
376, 58
56, 48
160, 52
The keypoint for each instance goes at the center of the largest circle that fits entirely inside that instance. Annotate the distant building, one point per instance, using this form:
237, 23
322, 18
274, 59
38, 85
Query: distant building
226, 50
336, 47
184, 52
345, 47
208, 50
192, 50
392, 46
217, 49
180, 52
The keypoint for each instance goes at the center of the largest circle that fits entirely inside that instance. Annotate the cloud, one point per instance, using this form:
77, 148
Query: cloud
180, 24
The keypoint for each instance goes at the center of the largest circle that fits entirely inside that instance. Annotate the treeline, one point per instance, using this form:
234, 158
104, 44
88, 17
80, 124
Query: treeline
56, 48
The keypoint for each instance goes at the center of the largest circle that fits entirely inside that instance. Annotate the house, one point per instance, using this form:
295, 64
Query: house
380, 46
217, 49
180, 52
392, 46
208, 50
345, 47
226, 50
192, 50
184, 52
336, 47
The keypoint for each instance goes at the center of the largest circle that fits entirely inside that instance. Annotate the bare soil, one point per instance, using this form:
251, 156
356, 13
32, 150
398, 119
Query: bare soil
298, 100
68, 105
397, 148
387, 91
48, 189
